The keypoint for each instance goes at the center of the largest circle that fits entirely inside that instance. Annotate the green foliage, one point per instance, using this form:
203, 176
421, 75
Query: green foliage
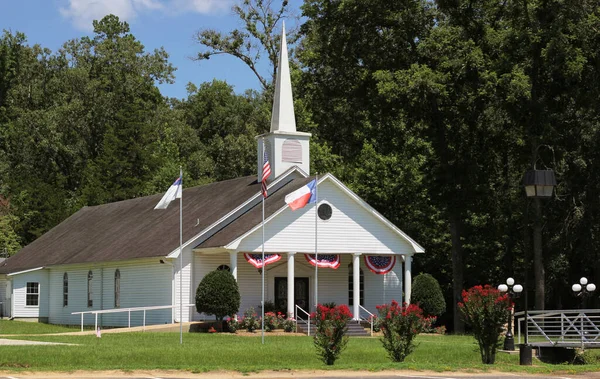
427, 294
218, 294
486, 309
250, 321
330, 335
400, 326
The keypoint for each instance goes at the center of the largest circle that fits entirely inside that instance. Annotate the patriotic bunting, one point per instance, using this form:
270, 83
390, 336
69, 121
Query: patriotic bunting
325, 260
256, 259
380, 264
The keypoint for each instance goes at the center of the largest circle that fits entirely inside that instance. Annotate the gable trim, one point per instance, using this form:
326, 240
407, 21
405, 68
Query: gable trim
25, 271
233, 245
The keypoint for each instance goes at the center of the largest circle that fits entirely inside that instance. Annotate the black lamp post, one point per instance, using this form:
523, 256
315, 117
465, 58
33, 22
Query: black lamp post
513, 290
583, 290
539, 184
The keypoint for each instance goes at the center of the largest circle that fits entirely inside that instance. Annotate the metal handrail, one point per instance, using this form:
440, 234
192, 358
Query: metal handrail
306, 322
370, 319
579, 327
128, 310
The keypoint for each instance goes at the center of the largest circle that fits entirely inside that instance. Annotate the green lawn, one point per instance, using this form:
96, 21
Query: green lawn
22, 327
208, 352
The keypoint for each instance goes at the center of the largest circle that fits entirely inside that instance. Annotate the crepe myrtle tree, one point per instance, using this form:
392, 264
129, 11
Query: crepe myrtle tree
218, 294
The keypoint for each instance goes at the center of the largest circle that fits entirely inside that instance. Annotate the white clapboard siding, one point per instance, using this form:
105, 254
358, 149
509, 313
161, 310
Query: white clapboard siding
19, 285
143, 283
3, 306
187, 284
351, 229
333, 284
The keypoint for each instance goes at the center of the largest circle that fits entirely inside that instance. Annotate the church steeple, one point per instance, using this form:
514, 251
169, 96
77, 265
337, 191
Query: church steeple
284, 146
283, 118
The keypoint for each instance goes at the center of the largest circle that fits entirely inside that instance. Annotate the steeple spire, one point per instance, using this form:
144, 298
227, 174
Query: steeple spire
283, 118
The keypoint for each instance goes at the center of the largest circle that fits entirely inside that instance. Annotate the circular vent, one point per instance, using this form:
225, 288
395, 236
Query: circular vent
324, 211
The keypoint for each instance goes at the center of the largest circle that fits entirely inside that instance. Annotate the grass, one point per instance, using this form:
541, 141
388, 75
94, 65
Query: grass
211, 352
23, 327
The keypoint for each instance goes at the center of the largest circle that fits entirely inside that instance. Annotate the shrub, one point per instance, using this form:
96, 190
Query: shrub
288, 325
486, 310
250, 322
271, 322
331, 326
376, 323
400, 325
428, 295
232, 325
218, 294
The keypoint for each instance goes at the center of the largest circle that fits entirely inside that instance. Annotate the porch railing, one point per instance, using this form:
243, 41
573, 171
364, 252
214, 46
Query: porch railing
128, 310
370, 319
307, 321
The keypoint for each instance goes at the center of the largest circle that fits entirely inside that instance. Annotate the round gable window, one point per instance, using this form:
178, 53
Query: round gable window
324, 211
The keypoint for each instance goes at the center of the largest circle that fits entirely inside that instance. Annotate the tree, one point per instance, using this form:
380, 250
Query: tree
428, 295
218, 294
260, 34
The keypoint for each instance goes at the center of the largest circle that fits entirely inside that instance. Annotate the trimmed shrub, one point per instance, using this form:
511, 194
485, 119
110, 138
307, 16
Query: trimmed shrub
427, 293
218, 294
330, 338
400, 326
486, 310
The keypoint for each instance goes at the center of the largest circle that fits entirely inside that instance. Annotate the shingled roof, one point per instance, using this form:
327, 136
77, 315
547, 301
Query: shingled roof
253, 217
132, 228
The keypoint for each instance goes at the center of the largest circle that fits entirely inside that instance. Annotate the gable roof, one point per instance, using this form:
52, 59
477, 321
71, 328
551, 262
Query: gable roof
245, 225
132, 229
253, 217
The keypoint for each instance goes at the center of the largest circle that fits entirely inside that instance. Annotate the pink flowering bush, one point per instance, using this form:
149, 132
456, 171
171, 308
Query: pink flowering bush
330, 338
400, 326
486, 310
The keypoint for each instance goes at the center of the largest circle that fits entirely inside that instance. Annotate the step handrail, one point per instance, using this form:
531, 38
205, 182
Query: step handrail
306, 322
370, 319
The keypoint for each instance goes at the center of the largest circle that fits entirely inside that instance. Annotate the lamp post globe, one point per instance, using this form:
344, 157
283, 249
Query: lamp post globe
583, 289
511, 289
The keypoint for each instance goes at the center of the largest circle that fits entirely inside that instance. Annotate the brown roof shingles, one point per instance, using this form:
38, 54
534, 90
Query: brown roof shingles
132, 228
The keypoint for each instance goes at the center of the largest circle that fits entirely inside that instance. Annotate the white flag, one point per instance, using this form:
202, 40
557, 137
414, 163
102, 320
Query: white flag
174, 192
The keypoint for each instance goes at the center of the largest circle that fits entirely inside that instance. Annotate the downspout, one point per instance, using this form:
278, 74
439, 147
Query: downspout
101, 294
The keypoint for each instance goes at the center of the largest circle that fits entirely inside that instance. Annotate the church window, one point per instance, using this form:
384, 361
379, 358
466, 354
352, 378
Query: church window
291, 151
351, 286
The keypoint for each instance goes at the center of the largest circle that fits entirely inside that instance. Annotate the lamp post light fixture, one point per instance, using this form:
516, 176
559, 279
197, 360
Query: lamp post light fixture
583, 289
539, 184
515, 290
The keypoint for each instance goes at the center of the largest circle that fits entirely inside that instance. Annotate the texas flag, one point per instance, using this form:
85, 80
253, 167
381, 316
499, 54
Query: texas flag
300, 197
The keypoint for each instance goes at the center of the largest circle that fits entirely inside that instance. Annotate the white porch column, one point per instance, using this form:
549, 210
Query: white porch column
407, 278
233, 263
356, 285
290, 285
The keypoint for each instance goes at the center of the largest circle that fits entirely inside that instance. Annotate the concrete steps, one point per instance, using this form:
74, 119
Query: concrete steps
355, 329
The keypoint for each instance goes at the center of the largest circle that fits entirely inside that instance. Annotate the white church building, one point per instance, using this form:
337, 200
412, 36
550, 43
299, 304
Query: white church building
126, 254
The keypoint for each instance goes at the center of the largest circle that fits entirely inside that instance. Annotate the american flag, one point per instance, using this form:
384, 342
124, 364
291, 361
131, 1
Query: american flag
266, 172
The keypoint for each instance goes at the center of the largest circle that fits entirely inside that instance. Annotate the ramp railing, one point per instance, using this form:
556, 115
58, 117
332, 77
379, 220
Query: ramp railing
562, 328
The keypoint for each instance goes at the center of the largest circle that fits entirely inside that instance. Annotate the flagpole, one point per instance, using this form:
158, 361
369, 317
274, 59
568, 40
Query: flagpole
262, 327
316, 235
181, 260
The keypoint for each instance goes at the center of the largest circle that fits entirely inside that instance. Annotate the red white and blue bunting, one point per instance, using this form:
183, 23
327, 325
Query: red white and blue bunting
380, 264
256, 259
325, 260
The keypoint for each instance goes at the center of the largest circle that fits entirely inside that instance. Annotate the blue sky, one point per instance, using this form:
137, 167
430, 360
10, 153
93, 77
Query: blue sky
167, 23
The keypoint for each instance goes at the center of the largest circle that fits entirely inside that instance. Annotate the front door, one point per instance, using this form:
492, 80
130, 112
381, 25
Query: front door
301, 294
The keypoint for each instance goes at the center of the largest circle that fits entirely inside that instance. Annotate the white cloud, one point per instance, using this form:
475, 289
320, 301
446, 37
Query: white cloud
82, 12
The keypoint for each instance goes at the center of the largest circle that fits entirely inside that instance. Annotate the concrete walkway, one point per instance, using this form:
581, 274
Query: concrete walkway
7, 342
